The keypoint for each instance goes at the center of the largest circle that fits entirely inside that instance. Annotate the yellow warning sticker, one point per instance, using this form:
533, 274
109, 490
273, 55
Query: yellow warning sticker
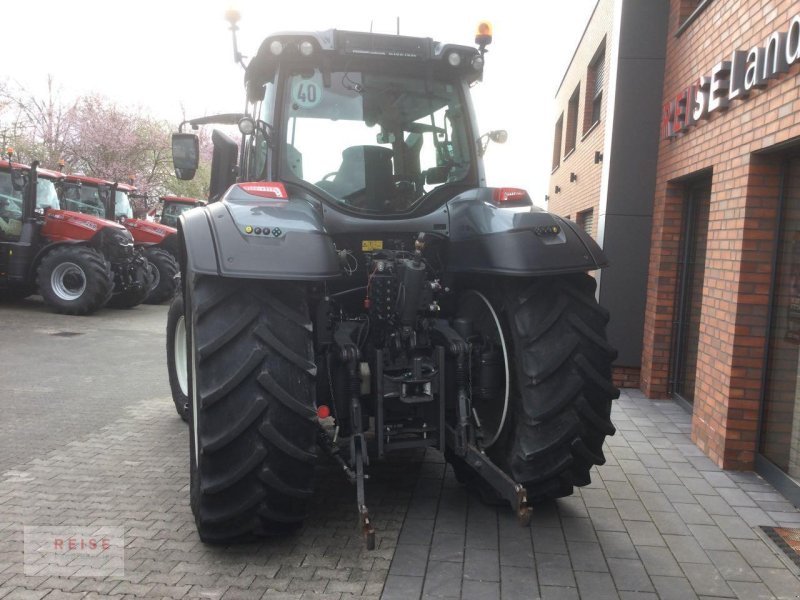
370, 245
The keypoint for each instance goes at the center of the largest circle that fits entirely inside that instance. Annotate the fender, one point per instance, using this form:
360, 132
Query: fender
487, 238
42, 251
258, 238
148, 232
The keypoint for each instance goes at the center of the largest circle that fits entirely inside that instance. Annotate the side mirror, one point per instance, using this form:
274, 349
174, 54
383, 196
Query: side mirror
498, 136
185, 155
17, 180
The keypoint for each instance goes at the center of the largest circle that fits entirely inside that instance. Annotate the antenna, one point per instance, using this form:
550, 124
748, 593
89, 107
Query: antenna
398, 25
371, 21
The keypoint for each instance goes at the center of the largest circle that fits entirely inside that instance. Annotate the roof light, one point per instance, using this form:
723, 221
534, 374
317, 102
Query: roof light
454, 58
276, 47
483, 34
306, 48
477, 63
511, 196
265, 189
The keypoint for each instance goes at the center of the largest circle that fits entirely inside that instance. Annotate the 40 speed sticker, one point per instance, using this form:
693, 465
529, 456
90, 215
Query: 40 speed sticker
307, 92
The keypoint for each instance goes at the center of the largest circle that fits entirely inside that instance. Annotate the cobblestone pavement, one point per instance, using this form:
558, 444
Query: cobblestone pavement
659, 520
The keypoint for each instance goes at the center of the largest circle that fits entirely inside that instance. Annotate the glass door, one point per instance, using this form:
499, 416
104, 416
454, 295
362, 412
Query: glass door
691, 273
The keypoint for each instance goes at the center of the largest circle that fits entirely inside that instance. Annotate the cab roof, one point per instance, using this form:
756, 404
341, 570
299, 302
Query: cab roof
356, 49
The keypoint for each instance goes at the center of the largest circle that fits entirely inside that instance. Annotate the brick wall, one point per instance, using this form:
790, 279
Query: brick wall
626, 377
744, 197
584, 193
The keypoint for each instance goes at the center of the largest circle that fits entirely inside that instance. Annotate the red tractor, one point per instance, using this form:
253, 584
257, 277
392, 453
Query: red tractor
64, 255
172, 207
157, 243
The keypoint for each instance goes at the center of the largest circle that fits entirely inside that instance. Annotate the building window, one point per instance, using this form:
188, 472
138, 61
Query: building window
585, 220
595, 78
557, 142
572, 121
688, 11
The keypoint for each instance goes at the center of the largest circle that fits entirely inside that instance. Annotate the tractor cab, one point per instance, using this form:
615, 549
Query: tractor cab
172, 207
371, 124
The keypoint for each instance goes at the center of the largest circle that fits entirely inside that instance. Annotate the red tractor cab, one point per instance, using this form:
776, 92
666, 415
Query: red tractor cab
89, 195
64, 255
172, 207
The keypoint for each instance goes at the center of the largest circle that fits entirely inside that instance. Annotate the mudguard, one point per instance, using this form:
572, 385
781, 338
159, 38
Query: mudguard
258, 238
487, 238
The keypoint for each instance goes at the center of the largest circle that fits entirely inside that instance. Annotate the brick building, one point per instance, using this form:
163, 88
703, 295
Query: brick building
722, 321
605, 143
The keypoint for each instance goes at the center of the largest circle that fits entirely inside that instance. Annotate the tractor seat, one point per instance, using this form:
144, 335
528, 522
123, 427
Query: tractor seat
366, 173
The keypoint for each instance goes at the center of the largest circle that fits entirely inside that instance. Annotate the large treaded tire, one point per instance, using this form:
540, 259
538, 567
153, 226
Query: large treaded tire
166, 267
178, 382
253, 425
560, 400
76, 263
135, 294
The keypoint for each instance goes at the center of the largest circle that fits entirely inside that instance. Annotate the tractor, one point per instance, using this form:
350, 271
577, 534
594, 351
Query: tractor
171, 207
358, 290
156, 244
63, 255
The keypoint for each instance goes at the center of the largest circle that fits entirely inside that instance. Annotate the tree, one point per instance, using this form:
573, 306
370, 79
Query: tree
98, 137
37, 128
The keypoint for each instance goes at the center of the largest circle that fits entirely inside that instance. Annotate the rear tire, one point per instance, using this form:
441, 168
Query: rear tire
74, 280
253, 426
136, 292
178, 357
560, 398
165, 267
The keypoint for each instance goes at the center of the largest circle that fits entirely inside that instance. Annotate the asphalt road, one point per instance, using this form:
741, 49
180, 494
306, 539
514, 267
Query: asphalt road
63, 377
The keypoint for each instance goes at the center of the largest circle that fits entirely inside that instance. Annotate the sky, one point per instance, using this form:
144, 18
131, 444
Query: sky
174, 57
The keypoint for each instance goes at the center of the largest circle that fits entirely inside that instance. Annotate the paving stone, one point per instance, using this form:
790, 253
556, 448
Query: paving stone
555, 570
735, 527
751, 591
659, 561
579, 529
518, 582
481, 565
598, 586
480, 590
402, 587
606, 519
558, 593
549, 540
616, 544
447, 547
677, 493
656, 501
587, 556
673, 588
670, 522
629, 575
409, 559
782, 582
710, 537
707, 580
644, 534
732, 566
686, 549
